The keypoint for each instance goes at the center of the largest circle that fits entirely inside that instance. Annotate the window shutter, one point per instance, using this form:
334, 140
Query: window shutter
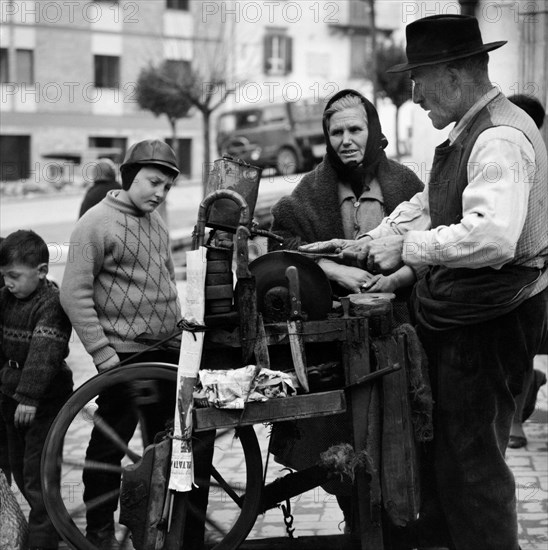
288, 54
267, 53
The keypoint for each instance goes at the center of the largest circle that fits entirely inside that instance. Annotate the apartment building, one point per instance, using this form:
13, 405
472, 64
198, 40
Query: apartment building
68, 70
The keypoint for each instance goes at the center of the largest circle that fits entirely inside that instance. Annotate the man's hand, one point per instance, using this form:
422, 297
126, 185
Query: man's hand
24, 415
110, 363
384, 254
380, 283
349, 252
349, 277
334, 246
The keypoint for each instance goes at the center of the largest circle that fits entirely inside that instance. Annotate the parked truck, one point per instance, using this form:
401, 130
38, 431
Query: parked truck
287, 136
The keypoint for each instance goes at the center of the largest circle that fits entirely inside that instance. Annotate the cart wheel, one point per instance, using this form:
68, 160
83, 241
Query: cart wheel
237, 465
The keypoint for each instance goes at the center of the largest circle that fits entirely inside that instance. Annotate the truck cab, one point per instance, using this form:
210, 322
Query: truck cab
287, 136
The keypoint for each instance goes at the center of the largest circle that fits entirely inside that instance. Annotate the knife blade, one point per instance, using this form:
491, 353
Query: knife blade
295, 328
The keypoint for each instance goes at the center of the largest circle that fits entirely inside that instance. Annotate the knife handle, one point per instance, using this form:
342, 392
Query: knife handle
292, 276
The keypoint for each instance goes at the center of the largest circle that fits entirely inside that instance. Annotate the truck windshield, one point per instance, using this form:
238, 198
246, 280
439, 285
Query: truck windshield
238, 120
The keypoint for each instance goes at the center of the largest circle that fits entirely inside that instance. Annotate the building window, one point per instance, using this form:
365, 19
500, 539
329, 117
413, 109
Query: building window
184, 156
107, 71
278, 53
113, 148
15, 155
24, 61
360, 56
177, 68
177, 5
4, 66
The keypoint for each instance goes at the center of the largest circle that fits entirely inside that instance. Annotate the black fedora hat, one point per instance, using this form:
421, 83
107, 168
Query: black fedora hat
441, 38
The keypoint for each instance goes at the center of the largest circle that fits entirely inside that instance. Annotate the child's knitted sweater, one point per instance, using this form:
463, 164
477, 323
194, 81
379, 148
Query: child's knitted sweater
34, 336
119, 280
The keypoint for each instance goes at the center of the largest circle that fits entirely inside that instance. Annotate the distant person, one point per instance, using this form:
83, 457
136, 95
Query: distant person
35, 381
104, 180
532, 106
4, 456
535, 379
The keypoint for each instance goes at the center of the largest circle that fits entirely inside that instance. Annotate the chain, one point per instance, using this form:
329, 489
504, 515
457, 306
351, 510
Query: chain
288, 518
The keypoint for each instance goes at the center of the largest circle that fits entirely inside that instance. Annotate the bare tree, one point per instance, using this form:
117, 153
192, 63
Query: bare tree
206, 81
155, 93
198, 76
395, 86
206, 88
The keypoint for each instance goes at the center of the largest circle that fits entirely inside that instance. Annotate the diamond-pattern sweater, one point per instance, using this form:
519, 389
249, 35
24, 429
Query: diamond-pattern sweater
34, 335
119, 280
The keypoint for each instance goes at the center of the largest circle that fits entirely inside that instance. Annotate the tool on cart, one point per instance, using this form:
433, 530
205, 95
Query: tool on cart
279, 316
295, 327
272, 286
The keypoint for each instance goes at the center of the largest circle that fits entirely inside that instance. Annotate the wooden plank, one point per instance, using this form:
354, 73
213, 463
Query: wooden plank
355, 352
400, 485
365, 432
274, 410
329, 330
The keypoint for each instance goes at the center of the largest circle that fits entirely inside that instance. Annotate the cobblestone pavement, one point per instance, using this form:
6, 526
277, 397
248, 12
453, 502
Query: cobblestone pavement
316, 512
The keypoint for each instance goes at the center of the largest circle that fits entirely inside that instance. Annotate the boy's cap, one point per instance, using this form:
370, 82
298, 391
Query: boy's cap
151, 151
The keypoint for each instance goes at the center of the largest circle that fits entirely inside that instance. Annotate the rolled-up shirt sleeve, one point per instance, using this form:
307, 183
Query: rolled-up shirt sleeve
494, 207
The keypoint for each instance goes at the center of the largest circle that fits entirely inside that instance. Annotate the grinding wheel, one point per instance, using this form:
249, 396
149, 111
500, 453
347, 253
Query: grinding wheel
272, 286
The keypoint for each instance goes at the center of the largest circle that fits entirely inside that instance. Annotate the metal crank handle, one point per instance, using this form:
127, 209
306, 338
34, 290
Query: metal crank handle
266, 233
371, 377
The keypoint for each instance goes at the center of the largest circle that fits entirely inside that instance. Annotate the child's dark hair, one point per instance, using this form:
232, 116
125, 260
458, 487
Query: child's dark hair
25, 247
532, 106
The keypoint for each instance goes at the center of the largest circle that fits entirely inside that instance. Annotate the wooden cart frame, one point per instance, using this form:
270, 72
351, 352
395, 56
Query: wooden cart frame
359, 395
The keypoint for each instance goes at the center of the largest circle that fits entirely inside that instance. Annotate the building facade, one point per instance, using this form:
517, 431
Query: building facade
68, 77
68, 70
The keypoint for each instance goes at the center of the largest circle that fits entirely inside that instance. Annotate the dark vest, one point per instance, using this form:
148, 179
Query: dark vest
448, 297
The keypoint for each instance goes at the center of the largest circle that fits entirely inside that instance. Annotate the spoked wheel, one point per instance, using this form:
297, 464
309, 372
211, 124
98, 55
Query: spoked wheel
235, 484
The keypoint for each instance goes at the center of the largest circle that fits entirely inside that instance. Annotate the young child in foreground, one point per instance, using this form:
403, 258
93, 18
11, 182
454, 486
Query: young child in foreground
35, 381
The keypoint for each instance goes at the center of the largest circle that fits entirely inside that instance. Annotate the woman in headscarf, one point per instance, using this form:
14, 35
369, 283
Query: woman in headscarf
345, 196
348, 193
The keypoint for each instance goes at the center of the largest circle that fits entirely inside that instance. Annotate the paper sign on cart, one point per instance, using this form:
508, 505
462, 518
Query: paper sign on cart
182, 470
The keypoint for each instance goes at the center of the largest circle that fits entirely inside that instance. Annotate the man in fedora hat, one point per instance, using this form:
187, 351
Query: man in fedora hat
479, 234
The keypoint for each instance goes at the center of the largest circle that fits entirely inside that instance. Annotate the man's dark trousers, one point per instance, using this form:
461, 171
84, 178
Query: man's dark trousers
476, 370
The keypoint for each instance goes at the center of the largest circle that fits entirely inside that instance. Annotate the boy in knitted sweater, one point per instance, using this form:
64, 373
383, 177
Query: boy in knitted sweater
118, 283
34, 378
